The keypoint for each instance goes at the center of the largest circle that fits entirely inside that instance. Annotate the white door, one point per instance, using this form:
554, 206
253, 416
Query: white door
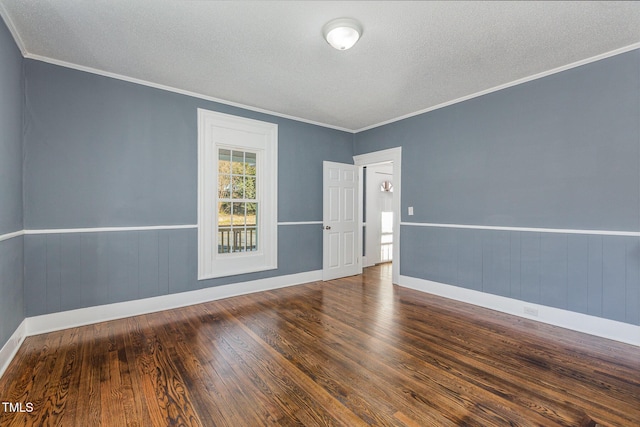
341, 255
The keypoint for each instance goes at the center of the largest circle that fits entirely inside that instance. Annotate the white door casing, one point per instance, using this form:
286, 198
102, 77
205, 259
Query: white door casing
341, 242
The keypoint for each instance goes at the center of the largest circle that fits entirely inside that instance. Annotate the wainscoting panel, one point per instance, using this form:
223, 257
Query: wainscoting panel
70, 251
11, 291
632, 298
149, 266
66, 271
529, 266
597, 275
614, 275
496, 262
594, 278
94, 265
515, 268
553, 269
469, 261
35, 274
578, 273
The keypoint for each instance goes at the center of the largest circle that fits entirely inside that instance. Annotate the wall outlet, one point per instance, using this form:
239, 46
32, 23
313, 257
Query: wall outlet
531, 311
410, 210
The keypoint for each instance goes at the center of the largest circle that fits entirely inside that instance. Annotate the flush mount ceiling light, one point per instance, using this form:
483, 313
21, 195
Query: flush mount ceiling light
342, 33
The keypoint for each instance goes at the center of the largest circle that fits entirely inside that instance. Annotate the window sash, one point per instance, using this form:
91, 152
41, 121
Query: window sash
238, 197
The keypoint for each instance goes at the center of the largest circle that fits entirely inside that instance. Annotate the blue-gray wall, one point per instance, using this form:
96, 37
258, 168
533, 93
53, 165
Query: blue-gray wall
101, 152
11, 95
559, 152
11, 253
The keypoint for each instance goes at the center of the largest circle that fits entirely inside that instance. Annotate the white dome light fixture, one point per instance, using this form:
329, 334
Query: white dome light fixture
342, 33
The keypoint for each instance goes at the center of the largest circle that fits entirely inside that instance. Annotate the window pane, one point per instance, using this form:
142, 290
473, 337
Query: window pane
237, 162
224, 240
224, 213
224, 228
252, 226
250, 163
252, 212
238, 214
237, 240
250, 187
224, 161
224, 186
238, 187
252, 239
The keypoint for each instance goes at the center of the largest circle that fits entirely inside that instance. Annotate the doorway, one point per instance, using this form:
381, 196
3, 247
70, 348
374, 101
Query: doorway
377, 214
380, 170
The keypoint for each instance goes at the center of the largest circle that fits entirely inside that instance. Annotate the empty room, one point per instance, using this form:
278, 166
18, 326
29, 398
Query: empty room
349, 213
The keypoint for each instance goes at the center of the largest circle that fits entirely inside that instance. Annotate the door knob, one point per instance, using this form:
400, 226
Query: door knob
327, 227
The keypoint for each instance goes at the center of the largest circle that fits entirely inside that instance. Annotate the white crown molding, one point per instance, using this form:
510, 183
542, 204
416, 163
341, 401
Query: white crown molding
592, 325
11, 235
506, 85
10, 348
177, 90
20, 43
102, 313
91, 70
528, 229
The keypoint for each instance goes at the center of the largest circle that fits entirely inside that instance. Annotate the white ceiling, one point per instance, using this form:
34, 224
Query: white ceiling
270, 55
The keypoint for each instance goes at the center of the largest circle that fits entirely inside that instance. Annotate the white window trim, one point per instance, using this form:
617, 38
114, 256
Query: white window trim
211, 264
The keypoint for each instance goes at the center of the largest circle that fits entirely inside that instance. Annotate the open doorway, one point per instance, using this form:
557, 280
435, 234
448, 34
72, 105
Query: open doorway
377, 231
380, 179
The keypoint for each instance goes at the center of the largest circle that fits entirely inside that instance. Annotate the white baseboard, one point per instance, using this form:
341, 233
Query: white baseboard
102, 313
605, 328
10, 348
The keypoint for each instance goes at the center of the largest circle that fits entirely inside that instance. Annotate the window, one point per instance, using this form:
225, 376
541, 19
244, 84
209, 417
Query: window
237, 195
237, 201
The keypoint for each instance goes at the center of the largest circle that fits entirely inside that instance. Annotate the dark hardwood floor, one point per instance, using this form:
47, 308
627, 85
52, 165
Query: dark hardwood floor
350, 352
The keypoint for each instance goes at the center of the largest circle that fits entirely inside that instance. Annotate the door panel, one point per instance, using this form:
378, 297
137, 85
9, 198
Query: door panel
349, 204
340, 218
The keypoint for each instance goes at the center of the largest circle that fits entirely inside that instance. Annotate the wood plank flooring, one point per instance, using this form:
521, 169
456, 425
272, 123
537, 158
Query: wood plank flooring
349, 352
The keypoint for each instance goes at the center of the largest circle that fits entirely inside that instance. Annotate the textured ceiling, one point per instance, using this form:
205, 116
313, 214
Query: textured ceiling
270, 55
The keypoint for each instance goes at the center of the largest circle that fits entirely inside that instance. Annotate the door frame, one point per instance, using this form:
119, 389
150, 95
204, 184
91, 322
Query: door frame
393, 155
